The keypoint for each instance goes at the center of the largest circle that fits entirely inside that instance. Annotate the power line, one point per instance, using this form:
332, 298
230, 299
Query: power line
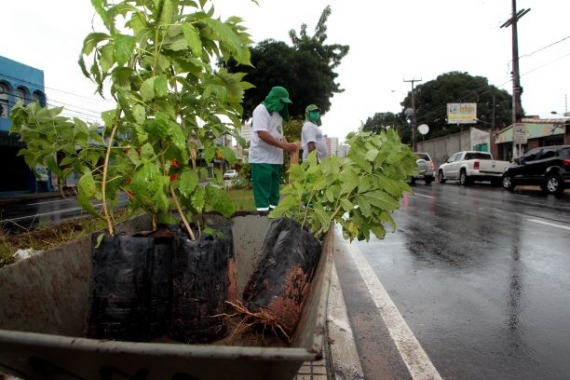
95, 99
85, 112
78, 110
544, 48
546, 64
521, 74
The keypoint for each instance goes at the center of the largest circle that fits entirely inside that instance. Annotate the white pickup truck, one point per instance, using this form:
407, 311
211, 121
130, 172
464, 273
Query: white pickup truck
470, 166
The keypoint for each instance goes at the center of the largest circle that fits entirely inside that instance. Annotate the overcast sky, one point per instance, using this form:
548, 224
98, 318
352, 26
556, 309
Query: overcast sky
390, 42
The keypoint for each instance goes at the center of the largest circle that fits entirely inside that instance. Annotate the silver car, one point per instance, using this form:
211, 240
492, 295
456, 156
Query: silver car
230, 174
426, 168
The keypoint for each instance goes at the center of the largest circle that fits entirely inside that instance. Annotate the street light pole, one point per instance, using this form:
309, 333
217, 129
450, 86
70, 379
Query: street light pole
414, 122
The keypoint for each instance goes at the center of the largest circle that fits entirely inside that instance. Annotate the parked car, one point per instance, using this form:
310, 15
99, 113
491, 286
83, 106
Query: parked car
471, 166
547, 167
428, 159
229, 174
426, 168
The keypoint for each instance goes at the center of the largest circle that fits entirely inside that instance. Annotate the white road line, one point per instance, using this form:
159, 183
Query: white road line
549, 224
43, 214
95, 205
48, 202
424, 196
413, 355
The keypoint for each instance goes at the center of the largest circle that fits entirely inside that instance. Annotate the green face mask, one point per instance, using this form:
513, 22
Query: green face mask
314, 115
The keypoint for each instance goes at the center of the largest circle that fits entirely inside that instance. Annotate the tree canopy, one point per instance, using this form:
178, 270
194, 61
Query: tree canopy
384, 121
431, 98
305, 69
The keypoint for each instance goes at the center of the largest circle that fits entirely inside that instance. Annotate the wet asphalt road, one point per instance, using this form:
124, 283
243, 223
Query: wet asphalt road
481, 278
28, 213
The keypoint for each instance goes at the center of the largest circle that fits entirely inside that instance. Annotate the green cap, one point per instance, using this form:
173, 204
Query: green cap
277, 101
312, 107
281, 93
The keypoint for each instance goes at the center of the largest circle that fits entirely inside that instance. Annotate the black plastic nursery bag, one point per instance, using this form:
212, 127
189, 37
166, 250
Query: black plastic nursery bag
284, 270
130, 288
200, 286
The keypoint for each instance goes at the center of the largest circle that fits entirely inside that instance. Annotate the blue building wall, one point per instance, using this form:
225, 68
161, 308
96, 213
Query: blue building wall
17, 80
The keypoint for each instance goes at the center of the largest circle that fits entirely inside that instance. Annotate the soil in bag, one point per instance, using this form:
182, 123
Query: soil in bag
131, 285
279, 286
200, 286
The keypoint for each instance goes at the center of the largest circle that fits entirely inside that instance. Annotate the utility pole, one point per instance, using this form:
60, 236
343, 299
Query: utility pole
414, 122
517, 89
493, 117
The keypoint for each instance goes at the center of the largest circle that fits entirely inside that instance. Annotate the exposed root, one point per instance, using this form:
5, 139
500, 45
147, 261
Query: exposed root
250, 319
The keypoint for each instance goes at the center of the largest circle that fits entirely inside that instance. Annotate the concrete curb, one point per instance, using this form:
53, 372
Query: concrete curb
344, 359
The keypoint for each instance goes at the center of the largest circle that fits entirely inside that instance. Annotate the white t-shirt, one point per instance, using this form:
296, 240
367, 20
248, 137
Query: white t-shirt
312, 133
259, 151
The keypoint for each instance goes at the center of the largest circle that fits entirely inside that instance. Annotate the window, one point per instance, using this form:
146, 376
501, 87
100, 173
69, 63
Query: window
532, 155
4, 104
547, 153
477, 156
39, 97
21, 95
564, 153
424, 156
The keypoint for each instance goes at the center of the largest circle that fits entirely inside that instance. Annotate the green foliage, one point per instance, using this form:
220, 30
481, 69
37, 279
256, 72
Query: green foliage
359, 192
306, 69
6, 254
431, 100
65, 146
245, 172
385, 120
169, 102
292, 130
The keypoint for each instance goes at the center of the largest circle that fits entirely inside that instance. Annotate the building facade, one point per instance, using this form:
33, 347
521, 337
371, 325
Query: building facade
18, 82
441, 148
539, 132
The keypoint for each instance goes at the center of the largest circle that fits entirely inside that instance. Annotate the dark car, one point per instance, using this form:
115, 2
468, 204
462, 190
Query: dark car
547, 167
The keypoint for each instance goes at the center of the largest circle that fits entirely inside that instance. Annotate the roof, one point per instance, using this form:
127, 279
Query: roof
535, 128
546, 121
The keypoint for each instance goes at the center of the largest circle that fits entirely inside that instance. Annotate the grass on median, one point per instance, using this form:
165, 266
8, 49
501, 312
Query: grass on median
51, 236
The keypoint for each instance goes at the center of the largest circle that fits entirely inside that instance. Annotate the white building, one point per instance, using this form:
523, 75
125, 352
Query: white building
332, 145
246, 132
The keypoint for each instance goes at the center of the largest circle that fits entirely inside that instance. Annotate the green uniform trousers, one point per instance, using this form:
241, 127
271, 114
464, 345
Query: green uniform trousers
266, 179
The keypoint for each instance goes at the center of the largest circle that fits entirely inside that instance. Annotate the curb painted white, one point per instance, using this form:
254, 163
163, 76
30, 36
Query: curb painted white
344, 356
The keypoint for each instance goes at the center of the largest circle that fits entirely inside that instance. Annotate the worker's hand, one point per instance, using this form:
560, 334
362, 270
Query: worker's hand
290, 147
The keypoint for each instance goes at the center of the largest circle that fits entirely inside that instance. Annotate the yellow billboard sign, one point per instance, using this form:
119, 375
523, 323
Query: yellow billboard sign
461, 113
